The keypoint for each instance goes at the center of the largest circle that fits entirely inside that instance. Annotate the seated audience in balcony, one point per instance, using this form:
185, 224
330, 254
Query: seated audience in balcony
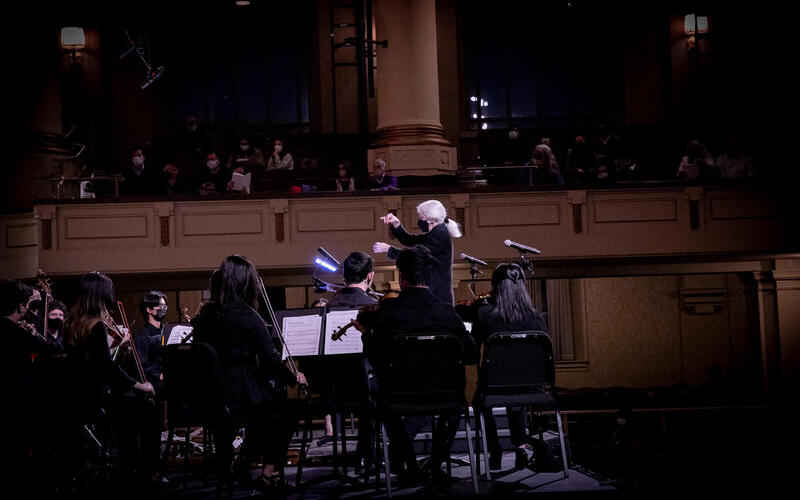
140, 178
580, 164
606, 148
545, 169
174, 182
698, 164
345, 180
381, 180
213, 179
189, 145
246, 157
735, 163
280, 159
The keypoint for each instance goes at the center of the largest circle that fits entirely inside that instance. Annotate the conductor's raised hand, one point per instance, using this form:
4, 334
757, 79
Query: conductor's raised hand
380, 247
390, 219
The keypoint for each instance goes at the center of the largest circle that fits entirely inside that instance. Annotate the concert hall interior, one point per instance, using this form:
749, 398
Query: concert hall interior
622, 152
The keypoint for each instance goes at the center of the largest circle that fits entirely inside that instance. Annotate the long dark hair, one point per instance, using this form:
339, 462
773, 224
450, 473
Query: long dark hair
512, 304
237, 283
95, 297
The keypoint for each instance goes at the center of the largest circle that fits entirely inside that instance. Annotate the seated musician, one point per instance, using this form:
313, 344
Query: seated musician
415, 310
508, 309
358, 273
253, 373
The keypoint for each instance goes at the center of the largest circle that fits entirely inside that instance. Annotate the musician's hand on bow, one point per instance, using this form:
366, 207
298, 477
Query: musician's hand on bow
301, 379
380, 247
390, 218
146, 388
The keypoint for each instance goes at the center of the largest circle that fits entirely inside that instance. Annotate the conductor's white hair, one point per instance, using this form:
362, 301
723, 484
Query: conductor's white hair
435, 211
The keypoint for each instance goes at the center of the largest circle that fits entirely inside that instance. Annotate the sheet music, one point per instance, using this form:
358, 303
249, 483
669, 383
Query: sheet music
177, 333
350, 342
301, 334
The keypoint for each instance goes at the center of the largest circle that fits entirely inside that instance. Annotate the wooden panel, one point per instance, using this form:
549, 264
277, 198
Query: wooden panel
208, 223
742, 208
635, 211
83, 227
21, 236
531, 214
357, 219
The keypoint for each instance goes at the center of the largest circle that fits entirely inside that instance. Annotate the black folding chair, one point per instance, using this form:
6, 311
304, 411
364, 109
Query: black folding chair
424, 376
518, 370
195, 397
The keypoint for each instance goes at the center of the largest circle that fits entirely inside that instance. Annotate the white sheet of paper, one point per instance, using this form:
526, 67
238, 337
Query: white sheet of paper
348, 343
301, 334
178, 333
241, 182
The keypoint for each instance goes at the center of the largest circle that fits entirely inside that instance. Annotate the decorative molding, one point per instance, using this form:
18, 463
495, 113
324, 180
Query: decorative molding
410, 135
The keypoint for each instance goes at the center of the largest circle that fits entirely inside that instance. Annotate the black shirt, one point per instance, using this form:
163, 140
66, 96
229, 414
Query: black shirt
351, 297
441, 246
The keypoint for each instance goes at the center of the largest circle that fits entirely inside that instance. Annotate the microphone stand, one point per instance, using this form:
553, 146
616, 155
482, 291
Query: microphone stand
474, 271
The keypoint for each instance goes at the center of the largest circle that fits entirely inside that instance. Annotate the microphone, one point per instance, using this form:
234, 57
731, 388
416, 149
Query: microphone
328, 256
520, 247
473, 260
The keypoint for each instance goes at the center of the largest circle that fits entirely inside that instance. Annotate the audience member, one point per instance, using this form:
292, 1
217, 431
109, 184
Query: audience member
605, 147
189, 145
139, 178
735, 163
214, 178
381, 180
580, 166
545, 169
280, 159
246, 157
516, 149
345, 180
698, 164
174, 182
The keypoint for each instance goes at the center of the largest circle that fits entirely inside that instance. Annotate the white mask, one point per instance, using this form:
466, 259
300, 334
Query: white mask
513, 134
138, 161
212, 164
244, 147
278, 148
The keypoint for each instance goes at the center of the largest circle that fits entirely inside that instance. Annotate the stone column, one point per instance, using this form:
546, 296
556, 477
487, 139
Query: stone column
409, 134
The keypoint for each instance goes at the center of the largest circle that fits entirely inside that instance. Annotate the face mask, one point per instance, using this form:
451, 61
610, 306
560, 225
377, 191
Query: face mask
278, 148
55, 324
513, 135
161, 313
244, 147
34, 305
212, 164
138, 161
423, 226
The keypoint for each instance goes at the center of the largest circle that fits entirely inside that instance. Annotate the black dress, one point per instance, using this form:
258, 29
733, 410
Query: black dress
440, 244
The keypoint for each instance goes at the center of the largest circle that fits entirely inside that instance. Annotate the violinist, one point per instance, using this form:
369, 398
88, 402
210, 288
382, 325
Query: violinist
18, 345
415, 310
253, 372
507, 309
98, 382
142, 428
54, 327
358, 274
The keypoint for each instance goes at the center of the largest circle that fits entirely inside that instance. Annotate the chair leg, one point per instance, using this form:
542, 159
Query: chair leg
471, 453
186, 450
386, 460
303, 443
485, 447
563, 448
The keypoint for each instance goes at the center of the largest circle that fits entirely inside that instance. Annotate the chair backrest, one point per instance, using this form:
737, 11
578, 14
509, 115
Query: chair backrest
193, 385
424, 368
517, 361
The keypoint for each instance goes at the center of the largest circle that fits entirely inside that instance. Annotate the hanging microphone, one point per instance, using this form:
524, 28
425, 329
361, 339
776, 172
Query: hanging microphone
473, 260
328, 256
520, 247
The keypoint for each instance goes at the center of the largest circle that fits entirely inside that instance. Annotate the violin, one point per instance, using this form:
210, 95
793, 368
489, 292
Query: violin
337, 335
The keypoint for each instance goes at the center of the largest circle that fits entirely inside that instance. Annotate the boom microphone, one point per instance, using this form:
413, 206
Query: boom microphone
328, 256
520, 247
473, 260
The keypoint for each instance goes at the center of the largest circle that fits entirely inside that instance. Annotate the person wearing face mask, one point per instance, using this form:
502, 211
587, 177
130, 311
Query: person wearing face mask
245, 157
345, 180
213, 178
139, 178
17, 372
545, 169
280, 159
437, 233
54, 328
381, 180
141, 432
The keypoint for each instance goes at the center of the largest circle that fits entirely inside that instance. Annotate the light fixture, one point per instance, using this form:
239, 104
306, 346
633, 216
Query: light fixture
242, 3
325, 264
695, 27
73, 39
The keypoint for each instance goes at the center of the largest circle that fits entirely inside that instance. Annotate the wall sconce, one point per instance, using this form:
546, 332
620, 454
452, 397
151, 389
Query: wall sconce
73, 39
695, 27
